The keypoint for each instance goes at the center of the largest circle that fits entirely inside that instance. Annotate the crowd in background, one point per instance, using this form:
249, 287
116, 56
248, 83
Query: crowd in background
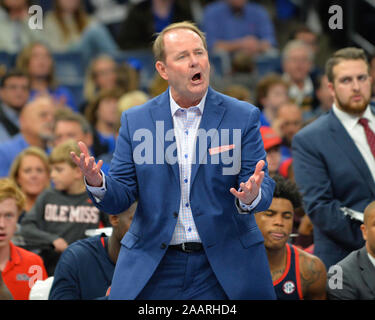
92, 60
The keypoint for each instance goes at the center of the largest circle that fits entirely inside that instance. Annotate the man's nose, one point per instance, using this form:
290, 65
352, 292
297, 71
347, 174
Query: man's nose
278, 220
193, 60
355, 85
2, 222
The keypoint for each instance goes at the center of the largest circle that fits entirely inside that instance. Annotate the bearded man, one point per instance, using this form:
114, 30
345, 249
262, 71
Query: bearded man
333, 159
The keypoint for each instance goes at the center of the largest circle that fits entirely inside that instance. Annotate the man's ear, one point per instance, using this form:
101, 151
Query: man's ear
160, 67
364, 231
331, 89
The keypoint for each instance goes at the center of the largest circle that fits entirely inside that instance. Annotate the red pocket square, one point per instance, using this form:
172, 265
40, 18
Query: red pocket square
221, 149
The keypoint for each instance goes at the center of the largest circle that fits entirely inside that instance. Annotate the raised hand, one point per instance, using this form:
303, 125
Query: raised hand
250, 189
89, 168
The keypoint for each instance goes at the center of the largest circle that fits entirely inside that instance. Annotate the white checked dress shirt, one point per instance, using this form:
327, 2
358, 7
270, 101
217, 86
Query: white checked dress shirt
186, 123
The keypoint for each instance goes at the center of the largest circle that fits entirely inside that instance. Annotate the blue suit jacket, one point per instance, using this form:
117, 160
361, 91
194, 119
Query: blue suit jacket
331, 174
232, 241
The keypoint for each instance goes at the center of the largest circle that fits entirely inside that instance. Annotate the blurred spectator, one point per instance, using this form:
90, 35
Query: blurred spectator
101, 74
68, 27
104, 116
17, 265
158, 85
72, 125
296, 274
109, 12
61, 214
358, 268
324, 97
297, 63
105, 74
86, 267
128, 77
317, 44
241, 73
131, 99
309, 37
239, 92
14, 25
333, 160
271, 92
36, 123
235, 25
272, 143
149, 17
14, 93
287, 123
30, 171
36, 60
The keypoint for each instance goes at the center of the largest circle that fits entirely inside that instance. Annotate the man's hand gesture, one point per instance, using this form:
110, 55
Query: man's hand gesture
89, 168
250, 189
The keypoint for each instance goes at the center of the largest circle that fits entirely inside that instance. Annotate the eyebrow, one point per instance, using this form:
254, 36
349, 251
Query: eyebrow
355, 76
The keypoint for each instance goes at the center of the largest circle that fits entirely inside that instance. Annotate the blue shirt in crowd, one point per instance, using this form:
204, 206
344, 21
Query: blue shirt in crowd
220, 23
9, 150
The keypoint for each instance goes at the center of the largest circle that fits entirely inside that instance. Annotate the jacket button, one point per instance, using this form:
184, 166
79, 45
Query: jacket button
175, 214
163, 246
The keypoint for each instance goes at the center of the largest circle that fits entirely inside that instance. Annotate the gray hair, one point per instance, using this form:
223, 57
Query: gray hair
293, 44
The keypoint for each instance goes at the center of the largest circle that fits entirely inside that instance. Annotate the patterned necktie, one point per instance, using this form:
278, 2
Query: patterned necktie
370, 135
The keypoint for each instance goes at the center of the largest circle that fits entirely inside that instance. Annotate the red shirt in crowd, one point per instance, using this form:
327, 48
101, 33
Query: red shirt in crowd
21, 272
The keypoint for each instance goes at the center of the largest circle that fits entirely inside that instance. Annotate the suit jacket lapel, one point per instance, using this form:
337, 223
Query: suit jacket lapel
161, 115
345, 142
367, 270
212, 116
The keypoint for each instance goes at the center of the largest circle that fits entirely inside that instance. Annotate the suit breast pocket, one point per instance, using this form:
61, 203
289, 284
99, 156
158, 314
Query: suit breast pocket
253, 236
129, 240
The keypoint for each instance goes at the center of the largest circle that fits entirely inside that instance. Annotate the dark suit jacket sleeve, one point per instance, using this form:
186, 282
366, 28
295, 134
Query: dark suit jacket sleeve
312, 177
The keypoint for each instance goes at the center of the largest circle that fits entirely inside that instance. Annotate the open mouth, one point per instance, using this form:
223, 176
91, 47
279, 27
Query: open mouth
196, 77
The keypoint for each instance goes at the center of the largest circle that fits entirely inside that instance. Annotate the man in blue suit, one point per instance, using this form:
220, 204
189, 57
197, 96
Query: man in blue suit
194, 159
333, 159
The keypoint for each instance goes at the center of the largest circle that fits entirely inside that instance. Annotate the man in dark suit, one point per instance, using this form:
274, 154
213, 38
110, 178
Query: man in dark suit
334, 159
194, 235
358, 268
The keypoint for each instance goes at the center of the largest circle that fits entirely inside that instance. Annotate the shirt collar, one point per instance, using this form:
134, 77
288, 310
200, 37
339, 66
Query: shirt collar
14, 259
372, 259
10, 113
175, 106
349, 120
